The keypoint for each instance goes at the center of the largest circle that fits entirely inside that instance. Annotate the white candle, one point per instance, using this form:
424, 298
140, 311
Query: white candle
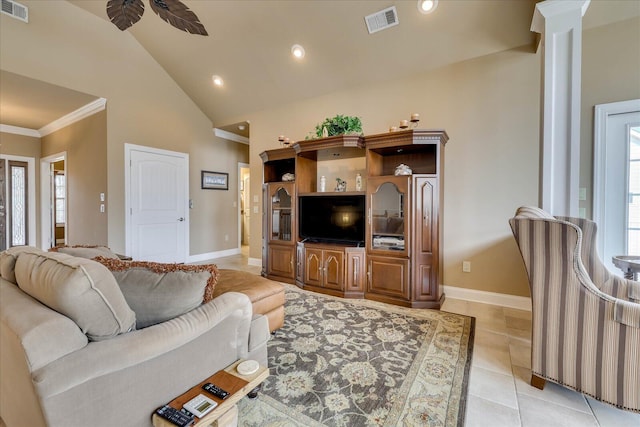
415, 117
404, 123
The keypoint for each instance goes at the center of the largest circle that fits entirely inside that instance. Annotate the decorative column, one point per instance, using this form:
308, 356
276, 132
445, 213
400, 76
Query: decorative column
559, 22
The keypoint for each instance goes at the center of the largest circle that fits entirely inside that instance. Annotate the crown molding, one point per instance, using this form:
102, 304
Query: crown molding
19, 131
230, 136
75, 116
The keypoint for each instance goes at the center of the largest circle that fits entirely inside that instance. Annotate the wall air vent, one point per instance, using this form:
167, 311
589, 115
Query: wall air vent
380, 20
15, 10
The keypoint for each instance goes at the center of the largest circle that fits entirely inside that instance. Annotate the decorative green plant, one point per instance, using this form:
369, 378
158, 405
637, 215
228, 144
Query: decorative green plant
338, 125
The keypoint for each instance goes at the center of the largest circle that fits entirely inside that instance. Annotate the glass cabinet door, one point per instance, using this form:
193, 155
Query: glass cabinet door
388, 221
281, 221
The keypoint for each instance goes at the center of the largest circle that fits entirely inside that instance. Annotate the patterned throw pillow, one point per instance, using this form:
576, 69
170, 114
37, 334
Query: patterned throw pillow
159, 292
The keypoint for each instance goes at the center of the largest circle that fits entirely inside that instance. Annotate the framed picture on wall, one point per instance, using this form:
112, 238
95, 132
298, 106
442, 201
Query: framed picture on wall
214, 180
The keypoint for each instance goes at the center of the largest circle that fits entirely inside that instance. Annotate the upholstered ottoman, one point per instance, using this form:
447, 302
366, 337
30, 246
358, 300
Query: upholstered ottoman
267, 296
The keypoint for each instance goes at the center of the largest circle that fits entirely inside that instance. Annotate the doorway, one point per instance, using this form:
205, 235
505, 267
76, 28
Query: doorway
17, 201
53, 198
244, 204
616, 194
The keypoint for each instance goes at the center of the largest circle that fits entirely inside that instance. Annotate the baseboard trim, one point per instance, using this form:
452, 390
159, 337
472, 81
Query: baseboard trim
504, 300
257, 262
213, 255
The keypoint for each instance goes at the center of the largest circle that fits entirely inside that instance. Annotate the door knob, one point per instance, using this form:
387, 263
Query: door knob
180, 219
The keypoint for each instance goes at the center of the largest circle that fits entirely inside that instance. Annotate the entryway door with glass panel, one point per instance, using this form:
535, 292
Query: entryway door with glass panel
14, 224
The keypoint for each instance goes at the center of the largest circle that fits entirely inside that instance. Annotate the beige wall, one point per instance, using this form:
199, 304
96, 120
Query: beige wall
490, 109
610, 73
85, 143
70, 47
20, 145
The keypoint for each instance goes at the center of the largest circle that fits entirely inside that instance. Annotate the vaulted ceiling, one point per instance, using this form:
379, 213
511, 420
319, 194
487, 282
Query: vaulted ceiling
249, 46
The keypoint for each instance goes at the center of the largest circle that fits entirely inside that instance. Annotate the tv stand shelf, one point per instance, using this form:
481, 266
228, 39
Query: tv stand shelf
400, 261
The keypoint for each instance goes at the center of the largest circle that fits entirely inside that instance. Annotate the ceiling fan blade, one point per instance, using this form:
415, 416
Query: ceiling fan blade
125, 13
179, 15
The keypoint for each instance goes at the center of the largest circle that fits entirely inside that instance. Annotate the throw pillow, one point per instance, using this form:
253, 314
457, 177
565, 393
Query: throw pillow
8, 260
79, 288
159, 292
85, 251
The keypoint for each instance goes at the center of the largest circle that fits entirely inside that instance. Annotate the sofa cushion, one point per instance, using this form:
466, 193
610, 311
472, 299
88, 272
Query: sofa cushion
84, 251
8, 261
159, 292
79, 288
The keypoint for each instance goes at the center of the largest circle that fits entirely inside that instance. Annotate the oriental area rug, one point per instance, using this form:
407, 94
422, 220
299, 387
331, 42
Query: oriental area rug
341, 362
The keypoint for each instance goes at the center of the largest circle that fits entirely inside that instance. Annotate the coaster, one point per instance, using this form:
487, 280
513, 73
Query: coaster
248, 367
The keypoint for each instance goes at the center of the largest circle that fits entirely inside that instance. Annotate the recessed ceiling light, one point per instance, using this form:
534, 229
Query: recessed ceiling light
427, 6
217, 80
297, 51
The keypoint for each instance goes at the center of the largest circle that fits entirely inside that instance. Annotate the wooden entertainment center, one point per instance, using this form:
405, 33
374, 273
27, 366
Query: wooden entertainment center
400, 259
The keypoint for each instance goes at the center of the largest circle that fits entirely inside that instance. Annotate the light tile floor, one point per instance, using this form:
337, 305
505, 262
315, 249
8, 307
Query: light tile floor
499, 390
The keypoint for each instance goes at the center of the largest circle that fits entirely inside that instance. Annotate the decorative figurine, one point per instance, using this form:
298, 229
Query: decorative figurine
341, 185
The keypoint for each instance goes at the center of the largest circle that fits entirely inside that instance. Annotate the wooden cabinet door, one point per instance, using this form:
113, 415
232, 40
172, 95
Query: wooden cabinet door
281, 261
354, 277
280, 202
389, 215
300, 264
265, 229
313, 267
388, 276
425, 251
333, 269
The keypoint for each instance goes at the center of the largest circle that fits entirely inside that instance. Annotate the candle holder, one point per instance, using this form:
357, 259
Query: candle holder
404, 124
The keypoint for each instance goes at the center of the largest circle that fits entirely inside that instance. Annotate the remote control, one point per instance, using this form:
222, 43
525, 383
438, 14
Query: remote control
216, 391
174, 416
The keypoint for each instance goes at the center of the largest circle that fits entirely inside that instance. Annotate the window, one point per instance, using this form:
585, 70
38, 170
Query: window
633, 211
18, 200
60, 192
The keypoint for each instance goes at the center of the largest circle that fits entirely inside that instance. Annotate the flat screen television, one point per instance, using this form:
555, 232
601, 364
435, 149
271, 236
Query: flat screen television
334, 218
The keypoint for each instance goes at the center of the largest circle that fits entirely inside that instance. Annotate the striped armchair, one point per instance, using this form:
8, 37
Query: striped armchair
586, 321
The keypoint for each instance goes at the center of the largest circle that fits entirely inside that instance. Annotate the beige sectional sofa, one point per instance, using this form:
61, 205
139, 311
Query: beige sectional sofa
90, 366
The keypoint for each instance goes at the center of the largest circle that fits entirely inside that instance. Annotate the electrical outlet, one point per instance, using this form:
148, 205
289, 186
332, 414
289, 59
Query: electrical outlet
102, 197
101, 207
226, 237
255, 209
466, 266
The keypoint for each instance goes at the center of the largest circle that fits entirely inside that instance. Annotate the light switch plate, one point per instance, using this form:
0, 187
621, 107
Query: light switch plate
582, 193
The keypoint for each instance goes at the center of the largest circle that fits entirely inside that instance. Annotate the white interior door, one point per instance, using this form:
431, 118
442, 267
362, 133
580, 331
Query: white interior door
158, 201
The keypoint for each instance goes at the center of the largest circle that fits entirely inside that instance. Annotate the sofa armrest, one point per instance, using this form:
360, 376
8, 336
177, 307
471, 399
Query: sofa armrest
232, 312
627, 313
